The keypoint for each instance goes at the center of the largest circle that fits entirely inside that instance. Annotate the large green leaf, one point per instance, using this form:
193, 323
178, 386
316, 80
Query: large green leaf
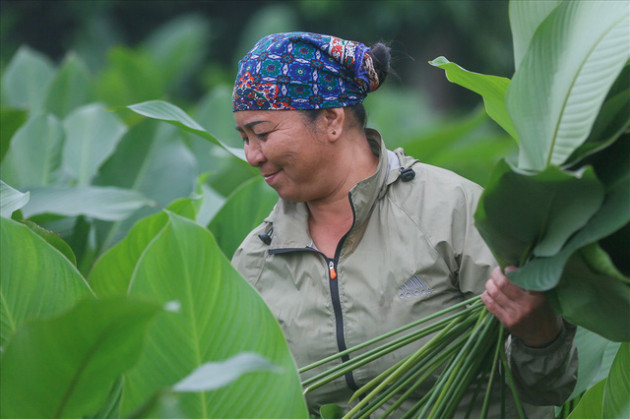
66, 366
170, 113
183, 263
11, 200
525, 18
52, 239
244, 209
130, 76
179, 47
543, 273
112, 272
593, 362
591, 294
616, 400
25, 80
10, 120
228, 172
557, 91
34, 156
103, 203
522, 215
37, 280
612, 120
70, 88
152, 160
590, 405
92, 134
491, 88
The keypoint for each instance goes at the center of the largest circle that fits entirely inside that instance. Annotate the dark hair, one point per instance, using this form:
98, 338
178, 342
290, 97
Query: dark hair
381, 58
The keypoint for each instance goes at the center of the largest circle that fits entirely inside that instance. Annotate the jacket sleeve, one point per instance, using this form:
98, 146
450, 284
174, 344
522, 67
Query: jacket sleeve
545, 376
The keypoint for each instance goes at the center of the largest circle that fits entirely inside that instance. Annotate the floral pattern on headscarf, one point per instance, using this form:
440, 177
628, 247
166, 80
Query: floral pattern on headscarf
301, 70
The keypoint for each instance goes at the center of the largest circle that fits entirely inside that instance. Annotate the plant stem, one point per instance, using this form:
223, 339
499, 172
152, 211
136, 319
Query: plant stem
472, 300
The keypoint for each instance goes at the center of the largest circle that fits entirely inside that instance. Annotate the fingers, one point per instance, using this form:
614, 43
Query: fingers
508, 302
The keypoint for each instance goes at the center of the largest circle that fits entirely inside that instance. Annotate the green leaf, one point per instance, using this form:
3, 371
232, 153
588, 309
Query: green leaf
246, 208
170, 113
103, 203
34, 156
616, 400
26, 78
66, 366
92, 135
521, 215
525, 18
543, 274
70, 88
37, 280
228, 172
11, 200
10, 120
184, 263
612, 120
491, 88
152, 160
593, 364
557, 91
590, 405
130, 76
211, 201
52, 239
587, 282
179, 47
213, 375
112, 272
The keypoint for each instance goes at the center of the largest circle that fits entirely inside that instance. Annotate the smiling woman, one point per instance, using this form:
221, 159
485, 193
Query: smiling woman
356, 224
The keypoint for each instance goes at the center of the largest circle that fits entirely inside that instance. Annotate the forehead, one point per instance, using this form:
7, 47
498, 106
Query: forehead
248, 119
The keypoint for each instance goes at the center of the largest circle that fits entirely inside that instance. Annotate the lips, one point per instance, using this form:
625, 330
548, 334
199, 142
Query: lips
269, 177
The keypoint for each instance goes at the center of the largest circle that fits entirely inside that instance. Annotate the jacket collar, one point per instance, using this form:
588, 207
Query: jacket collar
290, 219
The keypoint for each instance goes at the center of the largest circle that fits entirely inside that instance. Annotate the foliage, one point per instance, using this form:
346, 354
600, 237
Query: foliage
55, 335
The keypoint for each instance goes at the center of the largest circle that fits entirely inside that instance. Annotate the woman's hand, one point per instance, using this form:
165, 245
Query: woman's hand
527, 314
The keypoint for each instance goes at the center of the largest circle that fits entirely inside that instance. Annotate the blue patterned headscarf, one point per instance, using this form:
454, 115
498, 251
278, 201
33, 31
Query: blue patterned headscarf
300, 70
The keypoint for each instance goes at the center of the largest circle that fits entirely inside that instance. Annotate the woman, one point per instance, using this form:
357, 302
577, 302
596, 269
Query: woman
364, 240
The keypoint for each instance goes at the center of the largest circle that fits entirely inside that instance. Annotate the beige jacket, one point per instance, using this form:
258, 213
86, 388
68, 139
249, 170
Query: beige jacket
412, 250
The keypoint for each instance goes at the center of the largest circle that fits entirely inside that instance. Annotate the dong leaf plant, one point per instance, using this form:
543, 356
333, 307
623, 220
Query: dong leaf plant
162, 327
559, 212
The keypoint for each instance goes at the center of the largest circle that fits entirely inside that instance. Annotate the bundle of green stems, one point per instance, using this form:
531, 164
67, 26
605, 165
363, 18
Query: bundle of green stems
468, 346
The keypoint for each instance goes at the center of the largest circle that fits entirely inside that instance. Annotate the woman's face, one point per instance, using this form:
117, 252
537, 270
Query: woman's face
291, 152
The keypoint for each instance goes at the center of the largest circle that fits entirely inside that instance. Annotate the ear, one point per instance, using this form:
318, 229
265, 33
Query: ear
334, 120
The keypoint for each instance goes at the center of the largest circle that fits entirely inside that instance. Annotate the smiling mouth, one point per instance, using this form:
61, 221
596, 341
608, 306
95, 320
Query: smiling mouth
270, 176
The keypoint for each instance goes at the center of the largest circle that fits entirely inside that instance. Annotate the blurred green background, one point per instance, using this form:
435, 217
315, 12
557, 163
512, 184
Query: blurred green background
475, 34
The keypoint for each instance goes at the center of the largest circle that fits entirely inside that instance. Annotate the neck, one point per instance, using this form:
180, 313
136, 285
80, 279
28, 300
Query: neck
331, 217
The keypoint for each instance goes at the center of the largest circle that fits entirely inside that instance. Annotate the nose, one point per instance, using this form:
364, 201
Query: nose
253, 153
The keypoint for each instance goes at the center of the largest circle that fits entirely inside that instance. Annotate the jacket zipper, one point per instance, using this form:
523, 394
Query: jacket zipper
336, 302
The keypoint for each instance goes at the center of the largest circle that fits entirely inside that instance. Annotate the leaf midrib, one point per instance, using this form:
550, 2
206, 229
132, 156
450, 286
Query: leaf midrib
82, 366
572, 85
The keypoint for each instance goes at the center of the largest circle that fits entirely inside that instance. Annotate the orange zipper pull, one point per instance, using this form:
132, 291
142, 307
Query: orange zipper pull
333, 273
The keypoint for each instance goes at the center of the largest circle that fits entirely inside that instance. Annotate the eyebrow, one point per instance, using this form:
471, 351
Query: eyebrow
250, 125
